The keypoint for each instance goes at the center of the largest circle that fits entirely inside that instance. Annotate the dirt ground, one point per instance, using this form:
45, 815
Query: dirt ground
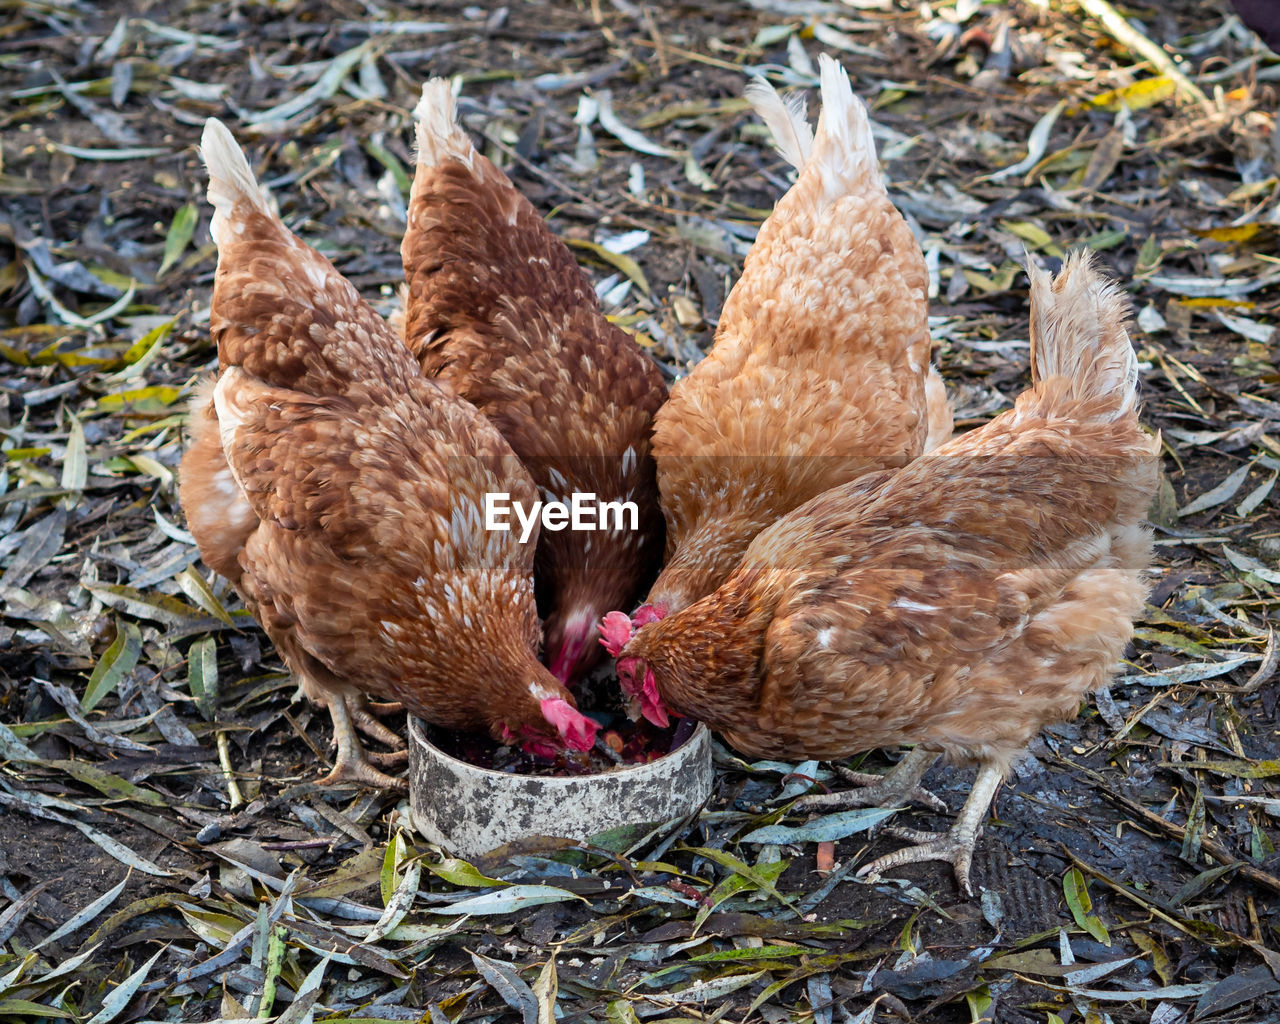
156, 773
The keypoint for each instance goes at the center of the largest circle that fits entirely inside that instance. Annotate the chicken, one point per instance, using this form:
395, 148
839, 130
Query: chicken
820, 368
499, 312
959, 604
340, 492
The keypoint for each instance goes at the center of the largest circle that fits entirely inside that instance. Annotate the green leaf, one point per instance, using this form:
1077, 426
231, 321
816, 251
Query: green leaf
115, 664
1076, 890
826, 829
179, 237
202, 675
757, 876
276, 949
390, 877
458, 872
979, 1002
139, 355
193, 585
752, 953
160, 607
25, 1009
620, 1012
109, 785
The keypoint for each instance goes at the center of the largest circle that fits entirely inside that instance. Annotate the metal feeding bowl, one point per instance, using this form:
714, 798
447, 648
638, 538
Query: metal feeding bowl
469, 810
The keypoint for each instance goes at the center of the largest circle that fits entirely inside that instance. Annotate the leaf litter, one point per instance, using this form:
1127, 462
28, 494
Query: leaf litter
165, 853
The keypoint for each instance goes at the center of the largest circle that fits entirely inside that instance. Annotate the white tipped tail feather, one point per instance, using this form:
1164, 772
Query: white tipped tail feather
785, 119
439, 135
230, 180
843, 150
1078, 334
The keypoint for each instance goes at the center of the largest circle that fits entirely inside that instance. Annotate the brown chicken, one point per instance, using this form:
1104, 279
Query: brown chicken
958, 604
499, 312
340, 492
819, 368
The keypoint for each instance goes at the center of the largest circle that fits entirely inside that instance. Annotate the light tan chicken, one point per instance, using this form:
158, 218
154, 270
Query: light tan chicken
819, 368
341, 493
959, 604
499, 311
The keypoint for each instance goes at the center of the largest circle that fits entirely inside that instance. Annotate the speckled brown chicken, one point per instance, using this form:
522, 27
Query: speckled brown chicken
959, 604
498, 311
340, 491
819, 368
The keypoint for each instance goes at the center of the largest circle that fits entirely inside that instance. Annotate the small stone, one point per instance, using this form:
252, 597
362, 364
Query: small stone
211, 833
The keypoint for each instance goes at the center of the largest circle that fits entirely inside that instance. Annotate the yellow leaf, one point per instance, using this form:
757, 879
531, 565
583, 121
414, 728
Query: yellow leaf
619, 260
1237, 233
1145, 93
1034, 235
1214, 302
159, 394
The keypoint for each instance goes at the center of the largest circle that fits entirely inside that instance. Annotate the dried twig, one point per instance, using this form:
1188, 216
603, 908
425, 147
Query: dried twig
1213, 848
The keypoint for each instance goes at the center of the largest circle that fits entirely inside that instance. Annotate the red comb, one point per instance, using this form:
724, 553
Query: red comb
615, 631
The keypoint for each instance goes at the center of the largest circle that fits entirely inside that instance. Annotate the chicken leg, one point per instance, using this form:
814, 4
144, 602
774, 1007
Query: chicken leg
365, 715
897, 786
351, 763
955, 846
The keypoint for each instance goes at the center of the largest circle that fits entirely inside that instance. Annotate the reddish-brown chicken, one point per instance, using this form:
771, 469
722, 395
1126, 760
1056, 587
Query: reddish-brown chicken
958, 604
341, 492
499, 312
818, 372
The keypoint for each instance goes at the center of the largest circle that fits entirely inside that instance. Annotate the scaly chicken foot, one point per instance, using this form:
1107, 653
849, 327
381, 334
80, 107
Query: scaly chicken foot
897, 786
361, 711
956, 846
351, 763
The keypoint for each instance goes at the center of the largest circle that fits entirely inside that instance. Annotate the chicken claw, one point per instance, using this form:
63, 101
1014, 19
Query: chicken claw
896, 787
352, 764
956, 846
362, 712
